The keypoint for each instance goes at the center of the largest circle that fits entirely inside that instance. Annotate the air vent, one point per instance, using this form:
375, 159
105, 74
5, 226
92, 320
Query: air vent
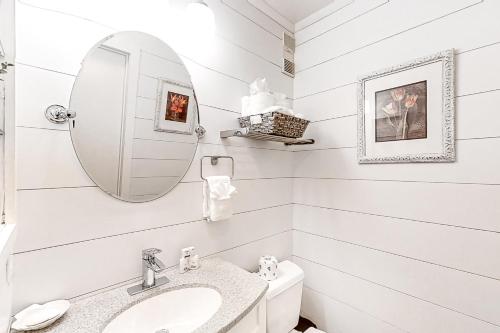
288, 65
288, 42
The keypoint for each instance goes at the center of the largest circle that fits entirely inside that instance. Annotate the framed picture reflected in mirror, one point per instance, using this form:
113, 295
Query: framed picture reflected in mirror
175, 107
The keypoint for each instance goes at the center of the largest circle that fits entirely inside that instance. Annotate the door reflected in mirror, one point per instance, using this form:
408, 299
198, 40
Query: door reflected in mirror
134, 132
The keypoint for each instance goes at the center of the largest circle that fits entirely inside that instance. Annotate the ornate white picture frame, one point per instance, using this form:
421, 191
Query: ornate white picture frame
406, 113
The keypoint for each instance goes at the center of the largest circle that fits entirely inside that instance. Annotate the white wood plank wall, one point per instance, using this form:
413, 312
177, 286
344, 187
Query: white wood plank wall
385, 248
398, 248
72, 238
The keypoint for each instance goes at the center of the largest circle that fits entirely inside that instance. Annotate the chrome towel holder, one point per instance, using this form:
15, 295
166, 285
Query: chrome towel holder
214, 160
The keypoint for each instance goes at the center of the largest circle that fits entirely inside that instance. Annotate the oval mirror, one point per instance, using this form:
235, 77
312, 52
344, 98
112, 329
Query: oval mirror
136, 115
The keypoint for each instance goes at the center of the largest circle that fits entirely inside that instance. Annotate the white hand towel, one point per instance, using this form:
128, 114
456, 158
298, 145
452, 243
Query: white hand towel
217, 194
277, 108
258, 102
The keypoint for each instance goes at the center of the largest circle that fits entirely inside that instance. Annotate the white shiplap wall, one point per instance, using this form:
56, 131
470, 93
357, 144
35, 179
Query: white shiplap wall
406, 247
149, 175
7, 96
72, 238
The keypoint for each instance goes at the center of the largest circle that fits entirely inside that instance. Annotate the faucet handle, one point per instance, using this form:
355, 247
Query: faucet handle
150, 253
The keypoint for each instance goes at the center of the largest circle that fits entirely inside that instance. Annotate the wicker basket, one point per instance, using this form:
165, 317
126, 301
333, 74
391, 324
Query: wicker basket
277, 123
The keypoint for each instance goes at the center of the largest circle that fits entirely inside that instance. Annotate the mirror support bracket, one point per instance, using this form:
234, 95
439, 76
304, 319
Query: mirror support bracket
58, 114
200, 131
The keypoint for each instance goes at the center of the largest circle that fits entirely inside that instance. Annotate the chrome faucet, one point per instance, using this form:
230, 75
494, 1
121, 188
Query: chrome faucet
150, 267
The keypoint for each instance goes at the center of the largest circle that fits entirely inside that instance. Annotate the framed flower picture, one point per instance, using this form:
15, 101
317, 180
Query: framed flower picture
175, 107
406, 113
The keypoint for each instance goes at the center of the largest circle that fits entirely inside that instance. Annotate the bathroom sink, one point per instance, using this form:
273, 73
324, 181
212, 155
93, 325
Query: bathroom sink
177, 311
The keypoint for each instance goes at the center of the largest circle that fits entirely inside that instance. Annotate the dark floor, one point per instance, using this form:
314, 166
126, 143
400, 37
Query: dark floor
304, 324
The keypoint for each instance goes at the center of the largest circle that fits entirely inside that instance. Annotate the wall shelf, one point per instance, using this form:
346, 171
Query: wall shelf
246, 133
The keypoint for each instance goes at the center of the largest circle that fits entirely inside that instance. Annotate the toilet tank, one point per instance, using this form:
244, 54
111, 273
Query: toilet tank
283, 298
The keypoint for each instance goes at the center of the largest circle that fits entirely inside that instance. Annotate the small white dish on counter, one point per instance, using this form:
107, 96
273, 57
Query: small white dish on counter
37, 316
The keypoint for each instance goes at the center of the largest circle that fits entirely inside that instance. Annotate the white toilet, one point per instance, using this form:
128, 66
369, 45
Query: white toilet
283, 298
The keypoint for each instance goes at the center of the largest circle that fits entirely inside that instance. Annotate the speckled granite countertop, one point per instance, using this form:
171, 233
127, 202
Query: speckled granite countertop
239, 289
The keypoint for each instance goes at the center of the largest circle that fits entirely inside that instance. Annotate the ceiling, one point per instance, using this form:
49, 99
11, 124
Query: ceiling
296, 10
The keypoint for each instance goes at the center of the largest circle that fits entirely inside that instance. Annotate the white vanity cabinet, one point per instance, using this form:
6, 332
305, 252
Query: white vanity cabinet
254, 321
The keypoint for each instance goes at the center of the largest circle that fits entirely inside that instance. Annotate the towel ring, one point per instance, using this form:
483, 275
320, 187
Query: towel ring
214, 160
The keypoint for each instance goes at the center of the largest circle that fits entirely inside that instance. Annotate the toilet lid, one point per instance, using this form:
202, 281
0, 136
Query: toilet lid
289, 274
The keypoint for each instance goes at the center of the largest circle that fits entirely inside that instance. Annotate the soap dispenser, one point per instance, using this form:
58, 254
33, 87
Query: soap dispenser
194, 263
185, 260
188, 260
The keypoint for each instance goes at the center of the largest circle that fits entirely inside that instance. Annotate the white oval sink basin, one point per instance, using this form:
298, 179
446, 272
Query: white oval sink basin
177, 311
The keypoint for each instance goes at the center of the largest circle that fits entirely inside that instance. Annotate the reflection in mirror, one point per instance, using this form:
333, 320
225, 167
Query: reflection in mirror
136, 114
